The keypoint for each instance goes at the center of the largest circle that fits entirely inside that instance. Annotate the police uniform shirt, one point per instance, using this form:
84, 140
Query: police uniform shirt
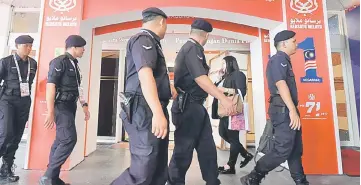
8, 67
189, 65
144, 50
61, 66
280, 68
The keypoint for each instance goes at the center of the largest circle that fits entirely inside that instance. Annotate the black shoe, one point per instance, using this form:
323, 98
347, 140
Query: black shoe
302, 182
231, 170
45, 181
7, 172
253, 178
58, 181
247, 159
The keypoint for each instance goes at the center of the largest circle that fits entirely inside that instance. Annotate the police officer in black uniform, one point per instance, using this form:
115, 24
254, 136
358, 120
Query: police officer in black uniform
148, 90
191, 119
63, 90
283, 113
17, 72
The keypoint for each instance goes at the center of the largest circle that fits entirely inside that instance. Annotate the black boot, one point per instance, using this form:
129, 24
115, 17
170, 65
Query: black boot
254, 178
58, 181
7, 172
247, 159
302, 181
222, 170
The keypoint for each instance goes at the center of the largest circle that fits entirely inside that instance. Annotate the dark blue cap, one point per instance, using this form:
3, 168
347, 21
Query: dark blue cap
202, 24
153, 11
283, 35
24, 39
75, 41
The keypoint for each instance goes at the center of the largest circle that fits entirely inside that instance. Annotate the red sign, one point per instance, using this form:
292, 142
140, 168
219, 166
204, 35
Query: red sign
310, 65
61, 19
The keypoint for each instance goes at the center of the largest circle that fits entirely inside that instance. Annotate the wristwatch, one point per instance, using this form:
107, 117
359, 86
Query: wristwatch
84, 104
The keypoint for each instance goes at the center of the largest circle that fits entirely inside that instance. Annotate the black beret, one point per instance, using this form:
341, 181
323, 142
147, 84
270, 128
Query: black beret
202, 24
153, 11
283, 35
75, 41
24, 39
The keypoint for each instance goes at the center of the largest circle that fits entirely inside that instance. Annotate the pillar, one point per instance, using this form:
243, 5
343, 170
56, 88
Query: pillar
312, 66
6, 15
57, 23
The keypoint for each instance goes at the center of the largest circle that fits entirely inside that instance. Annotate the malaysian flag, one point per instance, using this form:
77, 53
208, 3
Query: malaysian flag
309, 55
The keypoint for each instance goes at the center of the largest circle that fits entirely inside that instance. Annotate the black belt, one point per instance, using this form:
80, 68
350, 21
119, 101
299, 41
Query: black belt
196, 100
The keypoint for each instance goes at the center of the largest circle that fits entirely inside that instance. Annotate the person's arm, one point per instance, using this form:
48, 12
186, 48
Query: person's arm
278, 71
145, 56
195, 66
56, 69
279, 74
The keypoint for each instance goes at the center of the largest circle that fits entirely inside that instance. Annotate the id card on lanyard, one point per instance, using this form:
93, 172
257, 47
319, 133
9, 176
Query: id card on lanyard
24, 87
80, 88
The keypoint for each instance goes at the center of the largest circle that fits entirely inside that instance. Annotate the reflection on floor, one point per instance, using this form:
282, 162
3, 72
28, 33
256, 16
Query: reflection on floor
105, 164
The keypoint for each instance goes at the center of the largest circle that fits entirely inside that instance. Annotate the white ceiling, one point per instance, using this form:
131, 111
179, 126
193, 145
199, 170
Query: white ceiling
331, 4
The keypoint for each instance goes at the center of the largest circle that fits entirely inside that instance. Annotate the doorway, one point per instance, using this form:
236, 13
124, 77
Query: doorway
108, 96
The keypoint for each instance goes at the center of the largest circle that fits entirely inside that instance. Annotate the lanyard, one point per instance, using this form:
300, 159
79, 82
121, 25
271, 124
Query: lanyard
76, 74
18, 69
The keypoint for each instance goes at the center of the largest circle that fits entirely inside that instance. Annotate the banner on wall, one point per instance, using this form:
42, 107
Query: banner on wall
61, 19
310, 65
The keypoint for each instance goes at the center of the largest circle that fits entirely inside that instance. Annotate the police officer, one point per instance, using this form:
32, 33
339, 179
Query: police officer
149, 92
63, 90
17, 72
283, 113
191, 119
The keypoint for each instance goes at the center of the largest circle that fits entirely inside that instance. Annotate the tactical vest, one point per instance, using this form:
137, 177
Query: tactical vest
67, 89
11, 80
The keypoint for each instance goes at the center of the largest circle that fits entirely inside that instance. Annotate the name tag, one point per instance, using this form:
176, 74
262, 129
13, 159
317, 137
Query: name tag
24, 89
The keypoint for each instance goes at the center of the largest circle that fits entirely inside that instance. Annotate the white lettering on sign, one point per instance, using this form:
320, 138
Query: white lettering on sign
61, 21
305, 24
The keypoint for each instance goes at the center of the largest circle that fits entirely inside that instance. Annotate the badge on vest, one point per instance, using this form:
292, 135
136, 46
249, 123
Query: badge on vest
24, 89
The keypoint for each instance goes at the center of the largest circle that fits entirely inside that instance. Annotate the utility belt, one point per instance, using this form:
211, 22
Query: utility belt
129, 100
277, 105
66, 97
10, 92
185, 98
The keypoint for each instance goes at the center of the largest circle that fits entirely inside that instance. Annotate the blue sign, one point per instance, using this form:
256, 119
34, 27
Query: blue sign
309, 54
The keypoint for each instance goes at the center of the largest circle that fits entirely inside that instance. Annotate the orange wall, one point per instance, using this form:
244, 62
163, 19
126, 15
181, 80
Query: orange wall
260, 8
266, 51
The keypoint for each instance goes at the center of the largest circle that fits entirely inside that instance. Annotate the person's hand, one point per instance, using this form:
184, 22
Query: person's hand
159, 125
86, 113
174, 92
228, 106
49, 121
295, 120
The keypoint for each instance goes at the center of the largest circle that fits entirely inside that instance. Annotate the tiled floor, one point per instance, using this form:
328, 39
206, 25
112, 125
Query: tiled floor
101, 167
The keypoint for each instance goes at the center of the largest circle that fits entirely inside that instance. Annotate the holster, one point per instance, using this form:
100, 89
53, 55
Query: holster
66, 97
126, 103
182, 99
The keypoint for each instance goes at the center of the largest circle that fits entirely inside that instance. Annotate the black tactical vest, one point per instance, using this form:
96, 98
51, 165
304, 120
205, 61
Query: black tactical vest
11, 80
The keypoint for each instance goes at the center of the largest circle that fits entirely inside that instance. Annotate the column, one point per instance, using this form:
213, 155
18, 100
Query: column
312, 66
58, 22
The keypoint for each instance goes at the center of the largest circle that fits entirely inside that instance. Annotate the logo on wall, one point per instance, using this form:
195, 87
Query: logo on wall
62, 5
304, 6
309, 54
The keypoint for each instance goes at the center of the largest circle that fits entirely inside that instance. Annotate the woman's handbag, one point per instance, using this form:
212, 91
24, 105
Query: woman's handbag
237, 100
